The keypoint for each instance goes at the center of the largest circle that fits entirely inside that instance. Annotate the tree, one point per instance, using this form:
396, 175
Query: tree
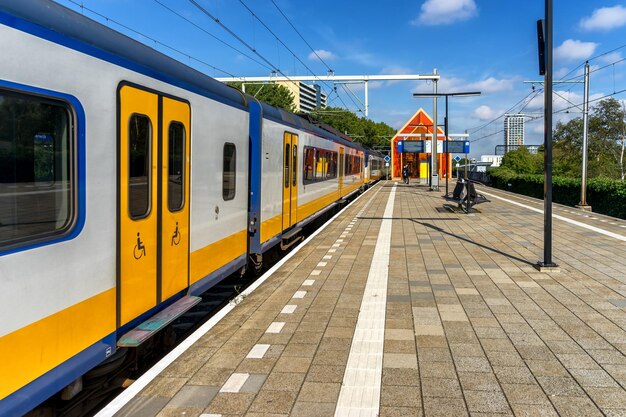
360, 129
606, 133
272, 94
521, 161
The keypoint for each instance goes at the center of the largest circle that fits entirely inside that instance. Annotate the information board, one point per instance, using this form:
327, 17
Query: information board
458, 146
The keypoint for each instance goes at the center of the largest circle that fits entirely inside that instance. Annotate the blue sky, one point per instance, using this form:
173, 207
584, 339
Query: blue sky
486, 45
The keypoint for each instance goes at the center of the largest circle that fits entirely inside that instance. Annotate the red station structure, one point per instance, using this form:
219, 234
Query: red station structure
417, 127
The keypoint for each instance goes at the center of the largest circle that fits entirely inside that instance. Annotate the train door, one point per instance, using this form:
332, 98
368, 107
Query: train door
341, 169
175, 125
290, 180
153, 189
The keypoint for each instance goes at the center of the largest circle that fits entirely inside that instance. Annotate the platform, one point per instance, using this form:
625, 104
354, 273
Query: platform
402, 308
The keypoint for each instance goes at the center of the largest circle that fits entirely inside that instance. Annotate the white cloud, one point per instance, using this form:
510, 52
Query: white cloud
322, 53
485, 113
605, 18
574, 50
445, 12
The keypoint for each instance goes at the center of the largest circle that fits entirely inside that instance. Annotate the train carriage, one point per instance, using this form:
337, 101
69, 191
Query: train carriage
129, 184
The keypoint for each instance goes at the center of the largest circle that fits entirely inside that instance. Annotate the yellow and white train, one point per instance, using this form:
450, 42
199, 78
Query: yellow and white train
129, 184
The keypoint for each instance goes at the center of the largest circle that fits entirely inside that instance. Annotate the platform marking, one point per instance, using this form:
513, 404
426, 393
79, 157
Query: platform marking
131, 392
332, 250
275, 327
235, 382
328, 257
308, 282
258, 351
322, 264
288, 309
565, 219
336, 245
299, 294
210, 415
361, 386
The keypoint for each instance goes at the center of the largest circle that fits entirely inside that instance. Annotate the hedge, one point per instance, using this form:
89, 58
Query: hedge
604, 195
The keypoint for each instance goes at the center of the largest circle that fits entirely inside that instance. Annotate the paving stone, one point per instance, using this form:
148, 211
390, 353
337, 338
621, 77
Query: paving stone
471, 381
284, 381
444, 407
326, 373
441, 387
524, 394
575, 406
400, 412
316, 409
273, 402
400, 396
143, 406
607, 398
319, 392
230, 403
562, 386
400, 376
194, 396
399, 360
486, 401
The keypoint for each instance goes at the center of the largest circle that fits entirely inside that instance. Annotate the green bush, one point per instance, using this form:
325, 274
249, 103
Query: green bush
606, 196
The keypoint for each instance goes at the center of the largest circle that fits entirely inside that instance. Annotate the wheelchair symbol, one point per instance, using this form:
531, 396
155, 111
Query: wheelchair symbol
139, 250
175, 237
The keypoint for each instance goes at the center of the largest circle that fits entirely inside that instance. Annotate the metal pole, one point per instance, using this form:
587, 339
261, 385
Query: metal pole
445, 127
367, 106
434, 168
547, 134
583, 186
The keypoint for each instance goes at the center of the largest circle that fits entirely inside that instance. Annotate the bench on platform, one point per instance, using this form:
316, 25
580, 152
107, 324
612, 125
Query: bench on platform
460, 194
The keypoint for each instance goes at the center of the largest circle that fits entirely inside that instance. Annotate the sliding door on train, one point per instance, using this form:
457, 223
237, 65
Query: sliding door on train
153, 202
290, 180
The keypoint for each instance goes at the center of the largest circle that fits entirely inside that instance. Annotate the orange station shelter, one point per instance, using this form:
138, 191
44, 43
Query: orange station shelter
418, 125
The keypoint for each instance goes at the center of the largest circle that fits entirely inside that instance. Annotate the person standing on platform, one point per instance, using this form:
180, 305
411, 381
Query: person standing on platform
405, 174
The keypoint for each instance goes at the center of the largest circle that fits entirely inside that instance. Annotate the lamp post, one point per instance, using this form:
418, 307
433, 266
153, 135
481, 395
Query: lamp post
446, 95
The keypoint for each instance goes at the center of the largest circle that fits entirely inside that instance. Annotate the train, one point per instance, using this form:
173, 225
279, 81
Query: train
131, 183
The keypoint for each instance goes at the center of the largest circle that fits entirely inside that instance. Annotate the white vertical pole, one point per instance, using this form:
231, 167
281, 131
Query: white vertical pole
583, 185
367, 105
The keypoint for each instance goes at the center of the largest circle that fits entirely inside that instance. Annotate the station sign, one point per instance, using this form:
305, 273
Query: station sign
457, 146
413, 146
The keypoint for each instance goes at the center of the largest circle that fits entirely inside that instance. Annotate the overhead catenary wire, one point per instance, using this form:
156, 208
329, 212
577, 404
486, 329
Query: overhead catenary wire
156, 41
212, 35
239, 38
289, 49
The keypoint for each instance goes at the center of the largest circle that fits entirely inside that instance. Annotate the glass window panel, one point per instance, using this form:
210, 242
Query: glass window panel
176, 167
229, 171
36, 169
287, 158
295, 166
139, 165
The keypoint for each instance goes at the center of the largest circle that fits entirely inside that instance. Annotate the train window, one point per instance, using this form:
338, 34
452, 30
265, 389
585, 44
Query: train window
139, 165
307, 165
332, 165
37, 185
176, 167
287, 158
294, 181
229, 172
